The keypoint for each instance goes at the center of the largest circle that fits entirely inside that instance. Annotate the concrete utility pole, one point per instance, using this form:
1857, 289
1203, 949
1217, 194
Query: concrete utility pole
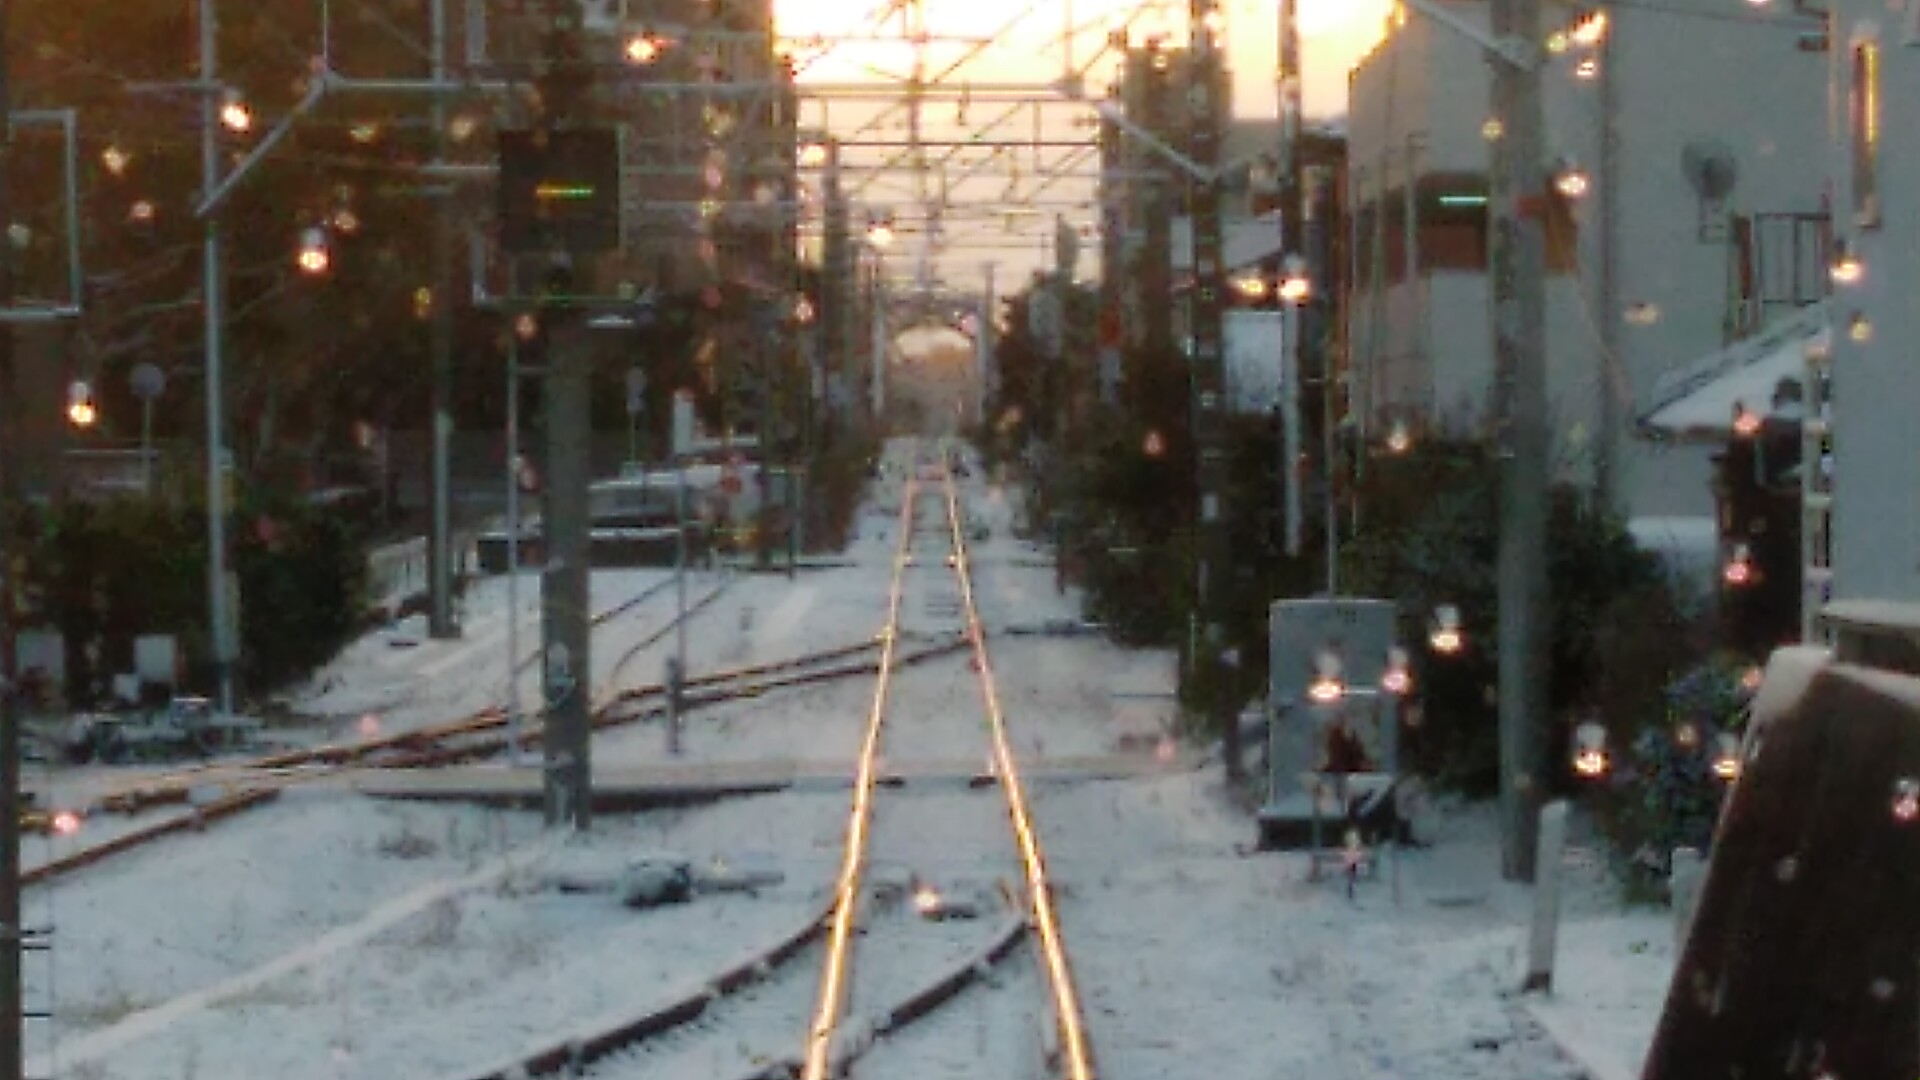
565, 585
12, 934
1605, 472
1290, 167
1518, 206
440, 622
213, 305
1289, 172
1207, 113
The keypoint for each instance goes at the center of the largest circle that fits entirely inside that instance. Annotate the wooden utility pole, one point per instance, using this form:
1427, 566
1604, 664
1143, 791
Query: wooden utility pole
1518, 206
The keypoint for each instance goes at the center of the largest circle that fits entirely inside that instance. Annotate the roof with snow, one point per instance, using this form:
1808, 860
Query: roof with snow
1699, 400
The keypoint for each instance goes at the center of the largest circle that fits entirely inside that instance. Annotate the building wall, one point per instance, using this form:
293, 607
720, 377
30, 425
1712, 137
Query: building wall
1419, 106
1680, 80
1876, 384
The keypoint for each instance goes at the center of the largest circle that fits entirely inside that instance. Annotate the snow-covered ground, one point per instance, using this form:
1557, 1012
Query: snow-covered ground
328, 937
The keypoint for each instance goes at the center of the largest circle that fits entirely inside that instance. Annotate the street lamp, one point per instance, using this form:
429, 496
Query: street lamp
1739, 571
1590, 750
315, 257
1590, 31
1295, 286
235, 115
1329, 682
1446, 635
1847, 268
1398, 678
80, 408
645, 48
1399, 437
1570, 181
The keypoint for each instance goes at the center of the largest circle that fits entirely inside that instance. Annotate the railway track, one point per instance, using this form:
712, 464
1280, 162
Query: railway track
174, 786
933, 894
832, 1044
208, 794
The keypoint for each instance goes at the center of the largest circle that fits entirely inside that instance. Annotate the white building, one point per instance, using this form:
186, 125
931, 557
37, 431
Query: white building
1875, 69
1703, 221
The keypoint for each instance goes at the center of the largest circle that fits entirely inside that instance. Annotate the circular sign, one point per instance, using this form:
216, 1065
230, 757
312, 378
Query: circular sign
149, 382
730, 482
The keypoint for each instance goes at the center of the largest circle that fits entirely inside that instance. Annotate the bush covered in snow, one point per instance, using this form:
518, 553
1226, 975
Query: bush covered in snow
1429, 538
1665, 788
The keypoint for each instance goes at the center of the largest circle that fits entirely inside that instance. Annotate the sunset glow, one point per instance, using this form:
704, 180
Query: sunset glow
1029, 40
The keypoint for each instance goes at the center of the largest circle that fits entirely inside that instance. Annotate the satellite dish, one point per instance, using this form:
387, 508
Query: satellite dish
1712, 169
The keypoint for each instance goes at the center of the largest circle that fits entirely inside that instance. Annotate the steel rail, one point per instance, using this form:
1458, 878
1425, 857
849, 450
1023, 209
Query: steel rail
172, 785
1076, 1053
832, 1001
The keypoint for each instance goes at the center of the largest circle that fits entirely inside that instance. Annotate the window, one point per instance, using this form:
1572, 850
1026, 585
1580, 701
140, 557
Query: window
1863, 124
1453, 222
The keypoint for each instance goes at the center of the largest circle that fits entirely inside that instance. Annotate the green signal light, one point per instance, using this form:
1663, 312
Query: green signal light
564, 192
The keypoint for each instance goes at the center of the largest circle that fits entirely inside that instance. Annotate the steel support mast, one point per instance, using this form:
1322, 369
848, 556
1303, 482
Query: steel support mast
1207, 111
440, 621
213, 303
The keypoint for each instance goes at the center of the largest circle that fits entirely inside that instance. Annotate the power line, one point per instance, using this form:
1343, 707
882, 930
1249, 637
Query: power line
1798, 22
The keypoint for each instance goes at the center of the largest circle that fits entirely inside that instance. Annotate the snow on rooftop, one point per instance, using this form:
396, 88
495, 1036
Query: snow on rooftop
1700, 399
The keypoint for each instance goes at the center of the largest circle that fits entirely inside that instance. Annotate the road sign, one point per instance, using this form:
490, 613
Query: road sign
730, 482
149, 382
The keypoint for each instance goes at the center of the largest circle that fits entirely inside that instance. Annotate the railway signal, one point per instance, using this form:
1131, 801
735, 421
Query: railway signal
559, 191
